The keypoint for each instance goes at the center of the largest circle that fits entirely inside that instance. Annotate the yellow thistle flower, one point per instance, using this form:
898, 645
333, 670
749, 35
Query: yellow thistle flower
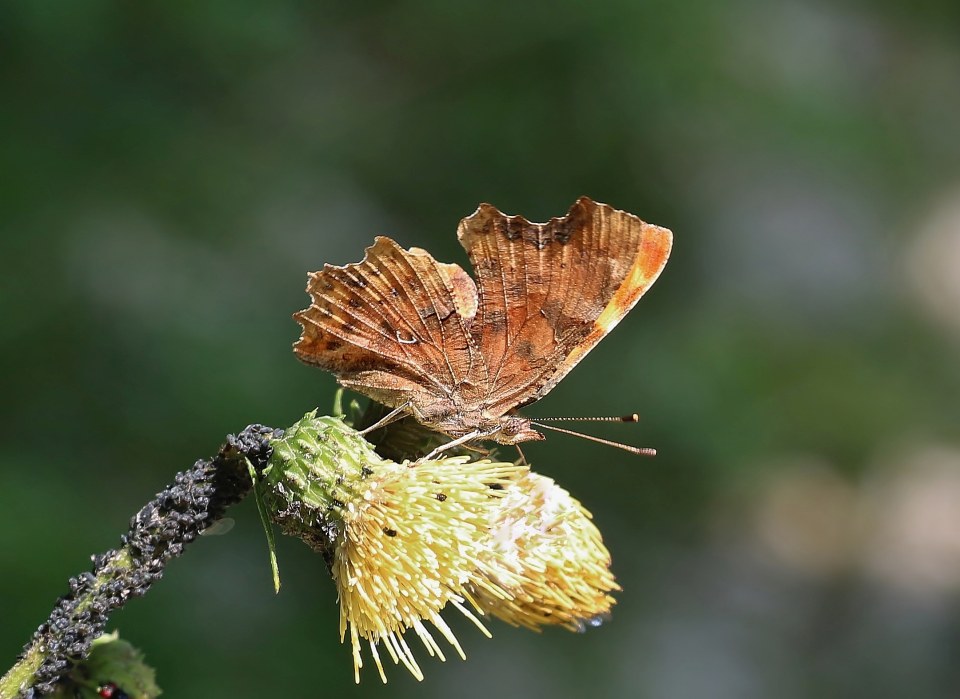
548, 556
404, 540
412, 541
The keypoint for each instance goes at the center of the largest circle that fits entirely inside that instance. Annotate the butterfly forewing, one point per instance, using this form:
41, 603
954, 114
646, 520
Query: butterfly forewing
548, 292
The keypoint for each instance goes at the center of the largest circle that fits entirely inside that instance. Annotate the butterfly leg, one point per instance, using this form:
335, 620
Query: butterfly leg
523, 459
392, 416
476, 434
482, 451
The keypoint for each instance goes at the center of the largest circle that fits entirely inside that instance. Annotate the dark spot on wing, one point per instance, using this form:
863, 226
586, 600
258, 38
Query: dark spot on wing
525, 349
552, 310
513, 228
563, 231
540, 238
494, 317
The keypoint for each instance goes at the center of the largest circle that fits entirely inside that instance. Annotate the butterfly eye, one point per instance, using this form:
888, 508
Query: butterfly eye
513, 426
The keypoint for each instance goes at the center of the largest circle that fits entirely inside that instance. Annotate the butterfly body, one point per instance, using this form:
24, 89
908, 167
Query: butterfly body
457, 423
462, 355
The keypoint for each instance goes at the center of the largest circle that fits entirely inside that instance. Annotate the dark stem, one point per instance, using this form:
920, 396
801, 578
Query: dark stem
158, 533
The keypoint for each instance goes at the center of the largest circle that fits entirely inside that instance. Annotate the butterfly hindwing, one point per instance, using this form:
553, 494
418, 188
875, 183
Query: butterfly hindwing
391, 326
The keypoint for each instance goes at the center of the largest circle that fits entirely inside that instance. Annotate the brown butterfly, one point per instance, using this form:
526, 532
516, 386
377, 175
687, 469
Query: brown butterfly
420, 336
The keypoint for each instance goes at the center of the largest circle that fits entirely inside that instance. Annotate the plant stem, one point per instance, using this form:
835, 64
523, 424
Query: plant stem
196, 499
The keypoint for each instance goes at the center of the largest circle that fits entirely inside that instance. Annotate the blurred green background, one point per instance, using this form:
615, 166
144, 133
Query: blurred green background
171, 171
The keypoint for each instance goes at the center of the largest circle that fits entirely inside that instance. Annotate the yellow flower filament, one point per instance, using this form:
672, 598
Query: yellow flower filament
411, 542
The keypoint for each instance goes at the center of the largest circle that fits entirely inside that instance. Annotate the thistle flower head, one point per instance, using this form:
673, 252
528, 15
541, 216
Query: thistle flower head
404, 540
546, 553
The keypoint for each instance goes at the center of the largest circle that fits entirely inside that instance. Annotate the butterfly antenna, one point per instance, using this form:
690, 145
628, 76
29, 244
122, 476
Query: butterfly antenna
640, 451
633, 417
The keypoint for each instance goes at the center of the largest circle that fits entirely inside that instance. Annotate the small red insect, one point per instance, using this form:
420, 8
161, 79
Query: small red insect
109, 690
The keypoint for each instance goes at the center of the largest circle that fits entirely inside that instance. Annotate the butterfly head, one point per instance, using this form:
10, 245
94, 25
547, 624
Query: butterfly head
515, 429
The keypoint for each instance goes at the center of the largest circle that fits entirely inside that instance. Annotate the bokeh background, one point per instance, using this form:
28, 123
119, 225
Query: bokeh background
171, 171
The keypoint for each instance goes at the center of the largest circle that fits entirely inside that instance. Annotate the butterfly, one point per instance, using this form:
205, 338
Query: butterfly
461, 356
